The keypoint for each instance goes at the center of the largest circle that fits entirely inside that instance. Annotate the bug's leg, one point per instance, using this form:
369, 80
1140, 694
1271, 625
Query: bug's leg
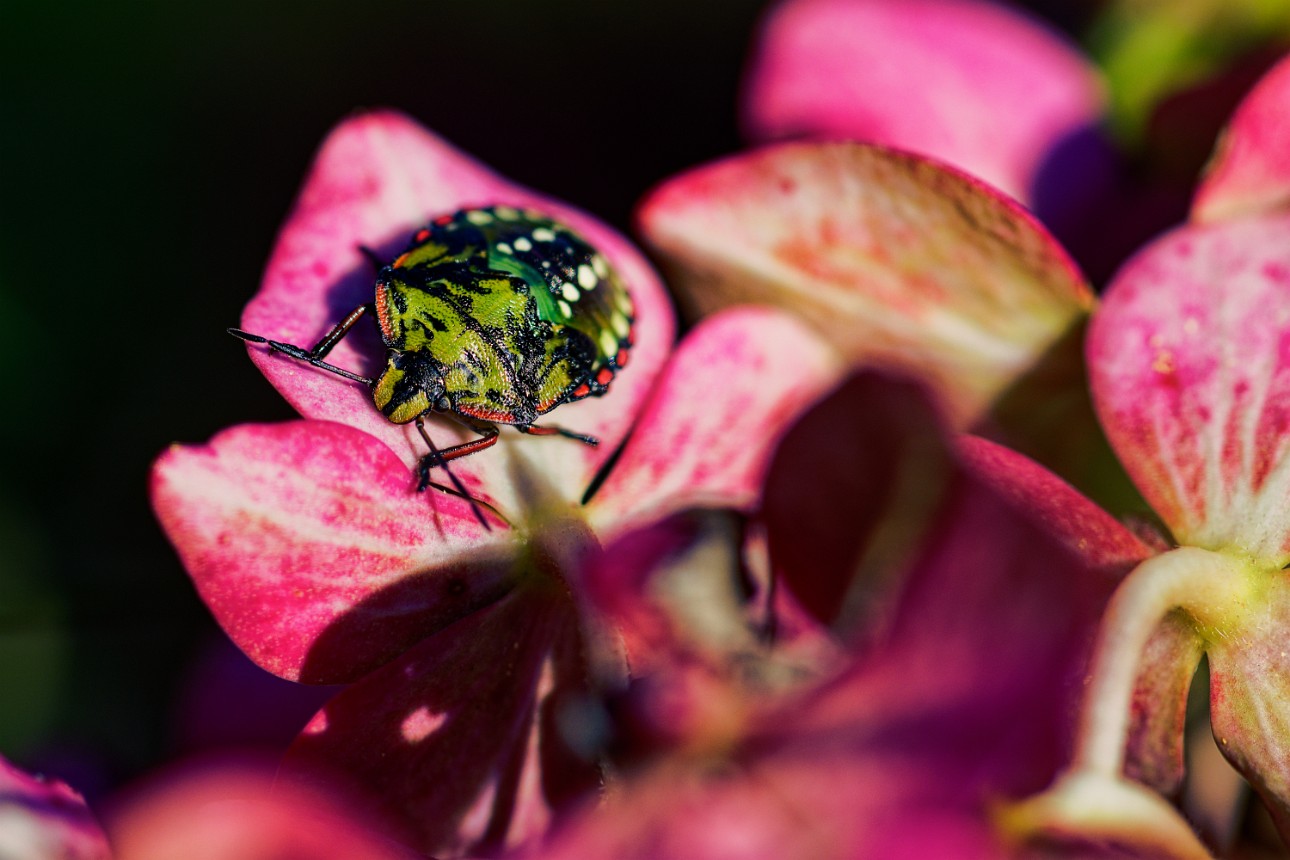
320, 349
534, 430
441, 458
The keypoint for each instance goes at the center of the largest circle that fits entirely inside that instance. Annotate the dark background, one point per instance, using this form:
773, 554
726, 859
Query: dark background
148, 153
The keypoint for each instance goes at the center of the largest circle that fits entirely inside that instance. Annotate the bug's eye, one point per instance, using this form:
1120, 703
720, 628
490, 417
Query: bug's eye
443, 404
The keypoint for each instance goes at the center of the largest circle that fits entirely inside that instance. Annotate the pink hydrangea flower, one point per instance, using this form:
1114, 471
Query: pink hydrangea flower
467, 647
954, 690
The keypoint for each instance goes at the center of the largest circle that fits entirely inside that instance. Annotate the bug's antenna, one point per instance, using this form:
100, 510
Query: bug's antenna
437, 459
300, 354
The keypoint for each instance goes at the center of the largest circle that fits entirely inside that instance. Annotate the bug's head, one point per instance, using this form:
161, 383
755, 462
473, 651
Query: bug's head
409, 386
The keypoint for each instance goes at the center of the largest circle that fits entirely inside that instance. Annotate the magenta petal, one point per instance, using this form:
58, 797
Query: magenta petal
899, 261
459, 739
1250, 172
1250, 699
857, 487
979, 669
376, 179
1189, 363
311, 547
972, 83
706, 433
44, 818
850, 492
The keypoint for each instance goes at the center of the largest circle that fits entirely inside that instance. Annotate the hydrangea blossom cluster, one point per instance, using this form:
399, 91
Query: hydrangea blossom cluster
850, 573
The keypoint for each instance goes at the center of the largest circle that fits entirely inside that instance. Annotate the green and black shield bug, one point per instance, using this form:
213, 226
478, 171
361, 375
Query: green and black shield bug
491, 316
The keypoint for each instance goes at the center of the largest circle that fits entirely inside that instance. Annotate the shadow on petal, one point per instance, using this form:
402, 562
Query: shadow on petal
460, 739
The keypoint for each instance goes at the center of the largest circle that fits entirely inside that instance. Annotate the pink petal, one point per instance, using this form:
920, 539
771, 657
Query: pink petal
1190, 370
43, 818
1250, 171
1250, 699
311, 547
238, 811
459, 739
377, 178
972, 83
899, 261
706, 433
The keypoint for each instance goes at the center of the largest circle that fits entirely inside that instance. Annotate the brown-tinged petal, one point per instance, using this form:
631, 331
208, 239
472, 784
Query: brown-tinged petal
1250, 696
930, 76
1250, 170
376, 179
315, 553
460, 740
1189, 363
44, 819
1157, 728
900, 261
706, 433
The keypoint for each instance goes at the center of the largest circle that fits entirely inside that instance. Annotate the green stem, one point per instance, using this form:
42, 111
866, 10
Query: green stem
1206, 585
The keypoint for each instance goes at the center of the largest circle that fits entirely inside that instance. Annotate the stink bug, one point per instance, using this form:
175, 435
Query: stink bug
491, 316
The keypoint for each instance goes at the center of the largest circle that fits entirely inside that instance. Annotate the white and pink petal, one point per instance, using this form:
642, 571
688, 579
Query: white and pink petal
376, 179
705, 435
900, 261
1189, 363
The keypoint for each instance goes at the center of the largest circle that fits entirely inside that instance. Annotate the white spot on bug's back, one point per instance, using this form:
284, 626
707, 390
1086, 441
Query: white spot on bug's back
586, 278
621, 325
608, 343
523, 244
478, 216
419, 724
505, 248
506, 213
565, 309
599, 265
570, 292
625, 303
542, 234
546, 264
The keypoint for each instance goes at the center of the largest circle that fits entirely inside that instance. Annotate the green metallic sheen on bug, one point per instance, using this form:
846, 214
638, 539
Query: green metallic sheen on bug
492, 315
504, 313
